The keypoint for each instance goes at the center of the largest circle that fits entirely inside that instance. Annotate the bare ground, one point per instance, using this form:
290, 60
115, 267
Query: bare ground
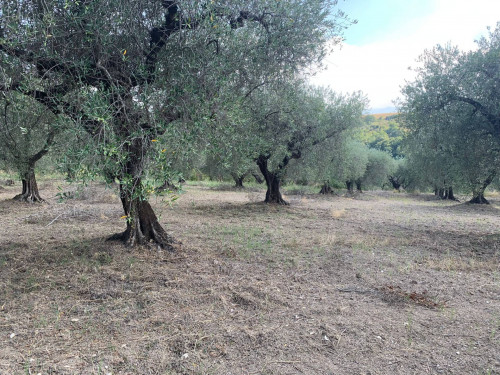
384, 283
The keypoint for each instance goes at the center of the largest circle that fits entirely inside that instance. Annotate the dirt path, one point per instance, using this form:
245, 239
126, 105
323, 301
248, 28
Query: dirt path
381, 284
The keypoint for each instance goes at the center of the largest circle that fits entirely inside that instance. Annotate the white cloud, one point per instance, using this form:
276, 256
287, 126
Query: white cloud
379, 69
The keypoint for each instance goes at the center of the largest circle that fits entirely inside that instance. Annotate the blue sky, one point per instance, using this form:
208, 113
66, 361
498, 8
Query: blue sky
391, 34
378, 19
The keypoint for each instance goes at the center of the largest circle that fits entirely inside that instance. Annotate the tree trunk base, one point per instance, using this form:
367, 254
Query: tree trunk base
480, 199
29, 198
30, 192
133, 238
326, 189
277, 200
143, 227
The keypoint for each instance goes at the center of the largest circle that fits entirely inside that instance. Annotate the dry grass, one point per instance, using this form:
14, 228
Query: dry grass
383, 283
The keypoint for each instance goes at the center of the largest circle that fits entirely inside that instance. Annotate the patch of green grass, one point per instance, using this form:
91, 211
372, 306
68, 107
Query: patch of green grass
296, 189
248, 241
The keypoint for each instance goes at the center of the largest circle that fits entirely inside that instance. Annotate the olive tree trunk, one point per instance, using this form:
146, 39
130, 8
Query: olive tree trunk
30, 192
143, 226
350, 187
273, 183
358, 186
238, 180
326, 189
478, 192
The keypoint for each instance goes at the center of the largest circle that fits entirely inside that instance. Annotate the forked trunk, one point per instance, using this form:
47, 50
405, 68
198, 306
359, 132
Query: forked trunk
326, 189
30, 192
142, 224
449, 195
478, 193
273, 182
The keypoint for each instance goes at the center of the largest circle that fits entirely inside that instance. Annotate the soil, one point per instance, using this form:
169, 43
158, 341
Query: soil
379, 283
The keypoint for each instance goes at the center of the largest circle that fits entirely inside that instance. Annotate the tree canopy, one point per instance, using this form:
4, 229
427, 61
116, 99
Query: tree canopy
132, 72
453, 117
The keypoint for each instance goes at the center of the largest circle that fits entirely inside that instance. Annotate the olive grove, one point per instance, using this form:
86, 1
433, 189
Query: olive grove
129, 73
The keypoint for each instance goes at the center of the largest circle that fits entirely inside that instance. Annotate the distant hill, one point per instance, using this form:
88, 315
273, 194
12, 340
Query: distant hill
380, 110
386, 116
382, 132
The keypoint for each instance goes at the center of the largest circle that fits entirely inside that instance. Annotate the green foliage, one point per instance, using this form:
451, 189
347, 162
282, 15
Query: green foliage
452, 115
27, 132
379, 167
382, 133
147, 90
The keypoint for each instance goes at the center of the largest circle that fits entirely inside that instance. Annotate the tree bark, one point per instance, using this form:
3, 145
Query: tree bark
441, 193
449, 195
358, 186
350, 187
143, 226
478, 193
273, 183
30, 192
238, 180
326, 189
395, 182
258, 179
478, 198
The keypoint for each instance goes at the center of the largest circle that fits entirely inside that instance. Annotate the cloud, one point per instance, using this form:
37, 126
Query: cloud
379, 69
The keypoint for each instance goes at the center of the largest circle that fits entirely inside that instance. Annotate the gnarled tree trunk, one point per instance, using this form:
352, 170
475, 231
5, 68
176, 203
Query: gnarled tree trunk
395, 182
449, 195
350, 187
478, 198
358, 186
478, 193
238, 180
30, 192
273, 182
326, 189
142, 224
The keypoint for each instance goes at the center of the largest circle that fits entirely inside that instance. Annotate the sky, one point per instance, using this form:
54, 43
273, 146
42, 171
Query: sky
389, 37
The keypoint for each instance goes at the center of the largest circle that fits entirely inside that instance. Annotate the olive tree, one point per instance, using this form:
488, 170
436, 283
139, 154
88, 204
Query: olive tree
27, 133
292, 120
131, 72
453, 107
378, 169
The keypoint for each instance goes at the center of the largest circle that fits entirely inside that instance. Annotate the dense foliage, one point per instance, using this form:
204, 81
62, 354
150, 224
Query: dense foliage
451, 112
136, 75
